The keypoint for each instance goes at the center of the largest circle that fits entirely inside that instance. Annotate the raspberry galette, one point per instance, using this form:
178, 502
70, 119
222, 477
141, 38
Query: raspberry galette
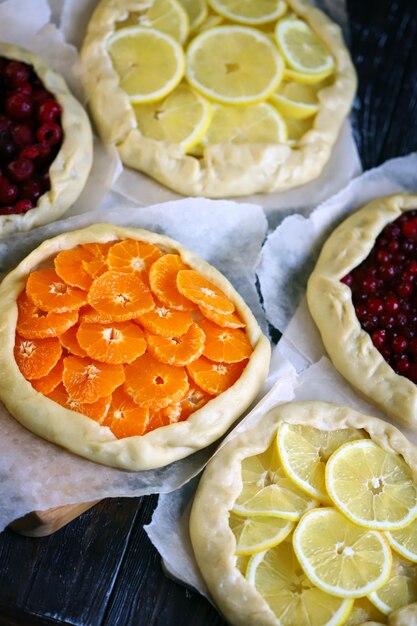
125, 348
45, 142
362, 298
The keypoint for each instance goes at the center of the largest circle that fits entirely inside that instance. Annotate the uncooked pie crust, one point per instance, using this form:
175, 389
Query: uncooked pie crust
212, 539
69, 170
225, 170
83, 435
330, 302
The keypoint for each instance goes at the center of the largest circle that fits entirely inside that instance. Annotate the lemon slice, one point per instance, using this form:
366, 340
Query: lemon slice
250, 13
304, 451
296, 129
260, 123
302, 49
295, 100
242, 563
211, 21
167, 16
371, 487
399, 590
307, 79
181, 118
267, 491
277, 576
364, 611
404, 541
254, 534
340, 557
234, 65
196, 11
149, 63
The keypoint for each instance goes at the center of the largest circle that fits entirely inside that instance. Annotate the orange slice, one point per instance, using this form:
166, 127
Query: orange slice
33, 323
69, 267
90, 315
70, 342
119, 342
47, 383
36, 357
201, 291
97, 265
131, 255
229, 320
177, 350
153, 384
214, 378
158, 419
95, 410
120, 295
163, 281
227, 345
49, 292
125, 418
86, 380
180, 411
165, 321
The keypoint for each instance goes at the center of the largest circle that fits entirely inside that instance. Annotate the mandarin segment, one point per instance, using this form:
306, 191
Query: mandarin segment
125, 418
163, 281
165, 321
119, 342
228, 320
47, 384
132, 255
214, 378
33, 323
49, 292
95, 410
195, 399
69, 267
121, 295
86, 380
88, 314
153, 384
36, 357
97, 265
195, 287
70, 342
177, 350
229, 345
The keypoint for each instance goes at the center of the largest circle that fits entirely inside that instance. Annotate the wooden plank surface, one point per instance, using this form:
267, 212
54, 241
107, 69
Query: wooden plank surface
101, 570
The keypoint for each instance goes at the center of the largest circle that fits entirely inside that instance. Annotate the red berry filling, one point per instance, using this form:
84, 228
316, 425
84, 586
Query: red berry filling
384, 294
30, 137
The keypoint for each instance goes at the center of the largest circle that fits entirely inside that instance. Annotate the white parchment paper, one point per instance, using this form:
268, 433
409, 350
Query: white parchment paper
35, 474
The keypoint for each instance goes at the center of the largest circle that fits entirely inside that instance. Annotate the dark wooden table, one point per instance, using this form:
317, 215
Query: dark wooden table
101, 569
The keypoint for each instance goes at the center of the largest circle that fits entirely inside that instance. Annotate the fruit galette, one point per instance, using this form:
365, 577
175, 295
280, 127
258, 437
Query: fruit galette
45, 142
124, 347
218, 98
310, 518
362, 297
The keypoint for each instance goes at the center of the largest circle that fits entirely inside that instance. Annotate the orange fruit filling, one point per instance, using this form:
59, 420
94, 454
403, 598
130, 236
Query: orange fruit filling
128, 335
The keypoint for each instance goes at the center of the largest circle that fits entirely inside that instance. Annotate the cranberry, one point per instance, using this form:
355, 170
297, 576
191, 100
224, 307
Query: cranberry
405, 289
412, 346
39, 96
8, 191
399, 344
7, 210
409, 229
378, 338
23, 135
7, 146
388, 271
376, 306
31, 190
347, 280
49, 110
18, 106
383, 256
21, 169
370, 285
402, 364
25, 88
391, 304
23, 206
17, 73
49, 133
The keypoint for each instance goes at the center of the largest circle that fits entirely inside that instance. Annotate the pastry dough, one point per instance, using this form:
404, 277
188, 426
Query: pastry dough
212, 539
68, 172
224, 170
330, 303
83, 435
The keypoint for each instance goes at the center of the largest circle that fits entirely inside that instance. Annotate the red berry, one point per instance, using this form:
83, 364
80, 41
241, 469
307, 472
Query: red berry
23, 135
399, 344
17, 73
31, 190
378, 338
18, 106
49, 133
23, 206
49, 110
8, 191
21, 169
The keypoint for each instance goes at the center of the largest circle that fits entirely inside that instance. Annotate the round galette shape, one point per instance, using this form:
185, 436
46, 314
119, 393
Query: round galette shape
45, 142
126, 348
361, 295
204, 130
248, 483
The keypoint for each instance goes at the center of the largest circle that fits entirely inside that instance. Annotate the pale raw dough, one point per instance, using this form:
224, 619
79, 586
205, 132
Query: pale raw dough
225, 170
68, 172
330, 302
212, 539
83, 435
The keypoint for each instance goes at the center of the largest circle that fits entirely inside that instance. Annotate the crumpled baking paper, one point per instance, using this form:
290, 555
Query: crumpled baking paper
299, 364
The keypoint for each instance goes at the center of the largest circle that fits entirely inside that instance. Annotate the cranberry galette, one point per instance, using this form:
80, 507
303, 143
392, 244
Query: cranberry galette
362, 296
